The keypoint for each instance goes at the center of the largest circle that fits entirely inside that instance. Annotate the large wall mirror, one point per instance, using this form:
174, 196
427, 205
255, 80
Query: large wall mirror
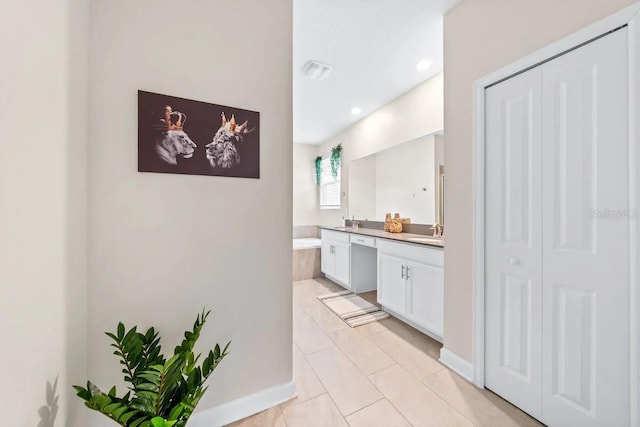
407, 178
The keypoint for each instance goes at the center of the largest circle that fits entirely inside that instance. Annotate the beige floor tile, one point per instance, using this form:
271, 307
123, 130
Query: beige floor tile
407, 353
325, 286
326, 319
380, 414
317, 412
415, 401
482, 407
371, 296
271, 417
360, 350
348, 387
415, 337
306, 291
372, 328
307, 334
303, 291
307, 383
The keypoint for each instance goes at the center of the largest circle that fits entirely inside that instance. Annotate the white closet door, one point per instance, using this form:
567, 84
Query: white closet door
586, 255
513, 241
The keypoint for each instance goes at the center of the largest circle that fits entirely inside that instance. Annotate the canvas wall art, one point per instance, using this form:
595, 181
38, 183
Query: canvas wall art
177, 135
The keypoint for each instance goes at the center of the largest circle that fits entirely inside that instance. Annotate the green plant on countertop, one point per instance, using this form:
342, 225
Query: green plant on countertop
318, 169
336, 154
163, 392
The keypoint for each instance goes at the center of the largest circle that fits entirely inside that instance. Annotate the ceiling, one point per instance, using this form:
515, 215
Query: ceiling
373, 47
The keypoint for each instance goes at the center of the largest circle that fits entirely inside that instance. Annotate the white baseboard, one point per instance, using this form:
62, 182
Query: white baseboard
457, 364
244, 407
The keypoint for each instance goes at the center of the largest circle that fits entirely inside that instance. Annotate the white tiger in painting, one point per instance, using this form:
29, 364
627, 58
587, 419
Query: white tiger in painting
222, 151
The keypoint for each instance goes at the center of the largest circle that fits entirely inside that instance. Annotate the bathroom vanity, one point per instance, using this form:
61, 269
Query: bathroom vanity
406, 270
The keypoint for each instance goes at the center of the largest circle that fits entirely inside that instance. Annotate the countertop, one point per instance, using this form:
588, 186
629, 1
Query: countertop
401, 237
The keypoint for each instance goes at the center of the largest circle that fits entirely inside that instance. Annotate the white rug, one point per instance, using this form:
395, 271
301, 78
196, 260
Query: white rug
352, 309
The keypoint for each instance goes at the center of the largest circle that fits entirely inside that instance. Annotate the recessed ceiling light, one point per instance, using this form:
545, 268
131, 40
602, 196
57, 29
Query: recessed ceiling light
356, 110
424, 65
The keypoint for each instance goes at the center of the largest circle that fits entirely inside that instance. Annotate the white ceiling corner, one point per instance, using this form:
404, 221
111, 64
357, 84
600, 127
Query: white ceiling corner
373, 47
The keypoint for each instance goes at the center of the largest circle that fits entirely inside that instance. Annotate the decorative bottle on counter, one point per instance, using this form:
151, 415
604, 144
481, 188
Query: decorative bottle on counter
387, 222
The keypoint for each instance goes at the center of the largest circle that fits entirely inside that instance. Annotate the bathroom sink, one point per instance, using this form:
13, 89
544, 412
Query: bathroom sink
433, 240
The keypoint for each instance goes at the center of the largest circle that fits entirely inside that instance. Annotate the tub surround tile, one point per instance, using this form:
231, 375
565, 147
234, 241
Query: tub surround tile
306, 264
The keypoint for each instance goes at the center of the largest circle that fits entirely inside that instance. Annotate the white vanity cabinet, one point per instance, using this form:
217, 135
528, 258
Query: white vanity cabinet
335, 259
411, 284
392, 286
425, 295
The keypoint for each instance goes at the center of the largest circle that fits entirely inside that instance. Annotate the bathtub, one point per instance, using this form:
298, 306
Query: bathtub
306, 243
306, 258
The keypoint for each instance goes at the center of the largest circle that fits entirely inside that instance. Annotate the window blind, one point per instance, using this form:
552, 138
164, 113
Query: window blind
329, 187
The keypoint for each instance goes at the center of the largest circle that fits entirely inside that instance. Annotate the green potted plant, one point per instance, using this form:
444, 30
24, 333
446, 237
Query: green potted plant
318, 162
163, 391
336, 155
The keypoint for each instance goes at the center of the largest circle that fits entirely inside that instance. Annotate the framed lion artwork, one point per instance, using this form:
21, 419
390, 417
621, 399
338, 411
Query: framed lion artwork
177, 135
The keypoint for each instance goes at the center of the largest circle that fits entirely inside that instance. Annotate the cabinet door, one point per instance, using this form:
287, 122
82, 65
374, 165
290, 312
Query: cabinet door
327, 261
391, 283
425, 299
585, 316
342, 263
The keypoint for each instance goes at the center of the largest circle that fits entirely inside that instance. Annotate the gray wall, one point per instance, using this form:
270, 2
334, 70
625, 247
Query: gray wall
481, 36
163, 246
43, 216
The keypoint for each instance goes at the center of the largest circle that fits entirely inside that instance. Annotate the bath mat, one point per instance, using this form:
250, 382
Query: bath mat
352, 309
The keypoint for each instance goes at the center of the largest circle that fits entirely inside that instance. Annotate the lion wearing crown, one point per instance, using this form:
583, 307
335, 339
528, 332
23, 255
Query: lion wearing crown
174, 143
222, 151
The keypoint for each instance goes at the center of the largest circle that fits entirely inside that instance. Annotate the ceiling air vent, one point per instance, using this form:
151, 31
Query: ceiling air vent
316, 70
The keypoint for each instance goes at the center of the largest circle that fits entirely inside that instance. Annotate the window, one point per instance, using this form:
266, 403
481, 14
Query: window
329, 186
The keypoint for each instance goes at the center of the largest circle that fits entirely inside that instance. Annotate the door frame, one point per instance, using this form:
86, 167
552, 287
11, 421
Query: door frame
630, 17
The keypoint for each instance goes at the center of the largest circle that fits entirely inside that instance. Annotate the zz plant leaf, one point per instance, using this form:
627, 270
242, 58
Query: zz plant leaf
163, 391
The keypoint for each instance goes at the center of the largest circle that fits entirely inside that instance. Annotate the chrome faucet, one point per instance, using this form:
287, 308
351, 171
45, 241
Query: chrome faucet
437, 230
354, 223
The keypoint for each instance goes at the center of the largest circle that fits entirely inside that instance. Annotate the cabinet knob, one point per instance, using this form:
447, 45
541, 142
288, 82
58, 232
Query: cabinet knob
514, 261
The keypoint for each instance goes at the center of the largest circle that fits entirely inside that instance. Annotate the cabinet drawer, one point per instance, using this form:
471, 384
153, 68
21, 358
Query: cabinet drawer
363, 240
335, 236
428, 255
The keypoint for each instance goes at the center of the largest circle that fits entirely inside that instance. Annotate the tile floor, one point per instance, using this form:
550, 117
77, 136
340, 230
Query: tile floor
383, 374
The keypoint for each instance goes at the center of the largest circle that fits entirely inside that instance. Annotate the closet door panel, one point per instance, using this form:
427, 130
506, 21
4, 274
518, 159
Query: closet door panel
513, 240
585, 236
